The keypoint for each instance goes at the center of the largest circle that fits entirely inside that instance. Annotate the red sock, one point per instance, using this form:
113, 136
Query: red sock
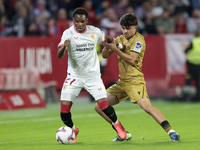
64, 108
103, 105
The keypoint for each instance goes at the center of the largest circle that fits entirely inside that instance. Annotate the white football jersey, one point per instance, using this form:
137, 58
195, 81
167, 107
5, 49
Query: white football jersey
83, 61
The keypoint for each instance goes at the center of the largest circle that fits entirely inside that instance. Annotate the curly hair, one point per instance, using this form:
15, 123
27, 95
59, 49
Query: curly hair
80, 11
128, 20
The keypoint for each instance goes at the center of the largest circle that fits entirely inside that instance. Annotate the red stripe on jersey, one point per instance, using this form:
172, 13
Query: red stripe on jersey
72, 82
61, 45
66, 80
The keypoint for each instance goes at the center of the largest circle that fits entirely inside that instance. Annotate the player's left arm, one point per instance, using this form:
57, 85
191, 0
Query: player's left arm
129, 58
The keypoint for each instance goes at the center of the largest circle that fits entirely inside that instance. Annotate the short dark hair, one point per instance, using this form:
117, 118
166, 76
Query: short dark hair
80, 11
128, 20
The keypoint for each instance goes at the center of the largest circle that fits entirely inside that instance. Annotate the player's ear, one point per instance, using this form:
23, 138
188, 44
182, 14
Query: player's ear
135, 27
86, 20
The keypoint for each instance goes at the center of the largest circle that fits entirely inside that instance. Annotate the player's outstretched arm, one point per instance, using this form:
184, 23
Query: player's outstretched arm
62, 49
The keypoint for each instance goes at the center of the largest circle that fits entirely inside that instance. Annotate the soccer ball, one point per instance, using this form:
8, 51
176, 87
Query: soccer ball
65, 135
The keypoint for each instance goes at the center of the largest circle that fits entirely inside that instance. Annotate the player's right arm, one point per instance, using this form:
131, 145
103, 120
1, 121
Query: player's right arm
64, 43
107, 52
108, 39
62, 49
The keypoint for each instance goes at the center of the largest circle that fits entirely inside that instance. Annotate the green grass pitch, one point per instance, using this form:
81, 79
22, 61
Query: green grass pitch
35, 129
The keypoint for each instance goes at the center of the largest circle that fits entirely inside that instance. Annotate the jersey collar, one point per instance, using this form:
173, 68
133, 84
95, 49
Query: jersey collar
80, 32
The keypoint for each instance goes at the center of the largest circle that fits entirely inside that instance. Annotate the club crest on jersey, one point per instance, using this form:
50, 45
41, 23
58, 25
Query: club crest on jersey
76, 37
138, 47
64, 86
92, 36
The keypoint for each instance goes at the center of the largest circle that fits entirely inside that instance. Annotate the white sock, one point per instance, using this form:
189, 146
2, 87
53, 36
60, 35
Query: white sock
170, 131
73, 128
114, 123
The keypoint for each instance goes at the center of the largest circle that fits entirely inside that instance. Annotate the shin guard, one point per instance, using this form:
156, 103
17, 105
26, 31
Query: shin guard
108, 110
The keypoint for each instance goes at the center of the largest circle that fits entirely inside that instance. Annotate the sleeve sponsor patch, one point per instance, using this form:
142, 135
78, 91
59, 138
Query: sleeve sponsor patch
138, 47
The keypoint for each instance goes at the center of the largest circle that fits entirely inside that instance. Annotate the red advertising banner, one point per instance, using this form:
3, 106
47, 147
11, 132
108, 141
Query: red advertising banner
34, 53
20, 100
154, 62
41, 53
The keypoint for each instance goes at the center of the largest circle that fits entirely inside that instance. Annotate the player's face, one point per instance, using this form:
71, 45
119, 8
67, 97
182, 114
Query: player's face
80, 22
129, 32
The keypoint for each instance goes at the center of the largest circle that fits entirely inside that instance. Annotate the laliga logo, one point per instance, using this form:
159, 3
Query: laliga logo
39, 58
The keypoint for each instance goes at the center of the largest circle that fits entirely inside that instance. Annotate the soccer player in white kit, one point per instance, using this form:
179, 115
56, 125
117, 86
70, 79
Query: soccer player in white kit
83, 69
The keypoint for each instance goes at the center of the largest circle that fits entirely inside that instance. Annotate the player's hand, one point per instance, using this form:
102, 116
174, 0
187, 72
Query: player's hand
109, 46
107, 49
66, 43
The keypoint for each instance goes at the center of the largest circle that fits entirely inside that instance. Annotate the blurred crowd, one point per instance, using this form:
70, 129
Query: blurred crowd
51, 17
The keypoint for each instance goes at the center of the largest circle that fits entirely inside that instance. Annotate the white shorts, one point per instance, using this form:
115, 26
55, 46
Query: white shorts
72, 87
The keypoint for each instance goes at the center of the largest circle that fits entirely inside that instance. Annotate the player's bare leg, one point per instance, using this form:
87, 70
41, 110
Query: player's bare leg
146, 105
